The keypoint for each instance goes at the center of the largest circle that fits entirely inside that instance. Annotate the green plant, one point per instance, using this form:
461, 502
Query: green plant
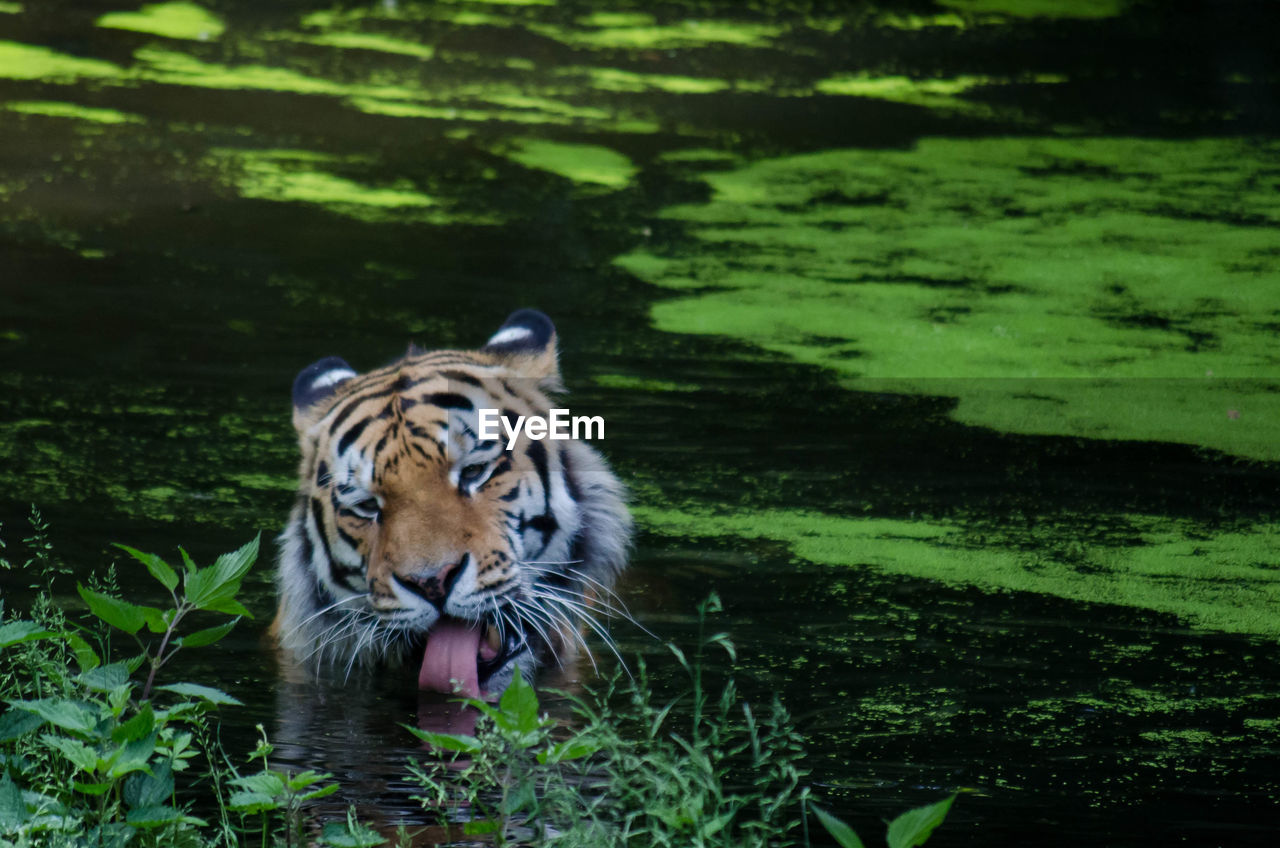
635, 776
89, 758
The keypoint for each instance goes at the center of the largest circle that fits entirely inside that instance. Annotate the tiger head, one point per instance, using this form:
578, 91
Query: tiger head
414, 540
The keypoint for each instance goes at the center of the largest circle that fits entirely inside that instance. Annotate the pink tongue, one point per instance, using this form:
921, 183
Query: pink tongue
451, 652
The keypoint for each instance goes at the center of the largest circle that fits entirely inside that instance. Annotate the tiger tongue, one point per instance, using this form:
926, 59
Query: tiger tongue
452, 647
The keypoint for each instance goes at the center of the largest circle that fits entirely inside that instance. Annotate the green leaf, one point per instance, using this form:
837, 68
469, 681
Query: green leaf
157, 620
149, 790
205, 693
137, 727
159, 569
13, 812
303, 779
262, 783
569, 749
839, 831
187, 561
207, 636
74, 716
446, 741
519, 706
215, 587
913, 827
252, 802
15, 632
322, 792
17, 723
350, 834
481, 827
153, 816
86, 657
104, 678
92, 788
715, 825
77, 753
134, 756
121, 615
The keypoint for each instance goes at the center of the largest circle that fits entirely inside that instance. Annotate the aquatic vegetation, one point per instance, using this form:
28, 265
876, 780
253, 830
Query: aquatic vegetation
30, 62
1054, 286
297, 176
582, 163
1214, 579
1041, 8
179, 20
74, 111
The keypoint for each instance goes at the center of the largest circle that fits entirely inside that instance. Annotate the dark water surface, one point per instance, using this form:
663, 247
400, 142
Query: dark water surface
938, 339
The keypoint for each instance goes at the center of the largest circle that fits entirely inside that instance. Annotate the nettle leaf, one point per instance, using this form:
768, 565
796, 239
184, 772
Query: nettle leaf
569, 749
17, 723
446, 741
157, 620
121, 615
13, 811
92, 788
252, 802
79, 754
104, 678
159, 569
840, 831
215, 587
207, 636
148, 790
15, 632
74, 716
204, 693
913, 827
153, 816
262, 783
350, 834
134, 756
86, 657
137, 727
519, 706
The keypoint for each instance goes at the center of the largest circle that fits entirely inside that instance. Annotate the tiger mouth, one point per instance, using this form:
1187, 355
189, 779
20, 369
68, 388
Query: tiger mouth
459, 656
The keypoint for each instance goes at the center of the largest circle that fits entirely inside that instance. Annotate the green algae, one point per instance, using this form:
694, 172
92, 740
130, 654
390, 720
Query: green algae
939, 94
74, 111
1215, 580
640, 384
291, 176
581, 163
637, 34
1087, 9
616, 79
29, 62
1053, 286
171, 20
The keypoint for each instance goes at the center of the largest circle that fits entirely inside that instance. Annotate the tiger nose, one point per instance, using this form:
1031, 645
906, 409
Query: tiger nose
433, 585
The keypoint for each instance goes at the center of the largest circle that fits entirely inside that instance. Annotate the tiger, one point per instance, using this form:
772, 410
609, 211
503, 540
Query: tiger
414, 542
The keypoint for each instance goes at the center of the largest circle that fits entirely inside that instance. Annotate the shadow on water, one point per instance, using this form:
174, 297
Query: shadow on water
1081, 626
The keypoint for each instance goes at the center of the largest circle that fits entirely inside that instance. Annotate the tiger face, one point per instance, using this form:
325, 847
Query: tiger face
413, 540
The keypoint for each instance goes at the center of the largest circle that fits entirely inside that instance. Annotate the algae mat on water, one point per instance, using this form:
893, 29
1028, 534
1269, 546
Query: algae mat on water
1223, 580
1105, 288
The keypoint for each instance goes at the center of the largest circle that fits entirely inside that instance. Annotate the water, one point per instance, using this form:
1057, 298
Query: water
935, 339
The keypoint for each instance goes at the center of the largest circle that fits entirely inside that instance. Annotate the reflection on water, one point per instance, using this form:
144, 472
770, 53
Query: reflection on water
814, 263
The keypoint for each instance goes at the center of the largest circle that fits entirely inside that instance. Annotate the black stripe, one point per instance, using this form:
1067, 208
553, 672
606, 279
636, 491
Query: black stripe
317, 516
569, 483
462, 378
449, 400
351, 435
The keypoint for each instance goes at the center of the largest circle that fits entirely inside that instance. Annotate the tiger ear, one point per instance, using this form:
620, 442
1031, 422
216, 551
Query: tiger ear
317, 381
526, 343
